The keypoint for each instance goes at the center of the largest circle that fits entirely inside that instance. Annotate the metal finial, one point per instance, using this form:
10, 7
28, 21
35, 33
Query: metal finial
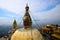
27, 4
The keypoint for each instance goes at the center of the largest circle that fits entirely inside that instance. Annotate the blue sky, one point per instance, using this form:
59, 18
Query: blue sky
46, 11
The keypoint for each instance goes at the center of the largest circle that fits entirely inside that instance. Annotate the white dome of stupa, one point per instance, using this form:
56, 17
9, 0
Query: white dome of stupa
27, 34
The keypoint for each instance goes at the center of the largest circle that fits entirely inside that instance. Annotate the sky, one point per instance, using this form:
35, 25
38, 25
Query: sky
42, 11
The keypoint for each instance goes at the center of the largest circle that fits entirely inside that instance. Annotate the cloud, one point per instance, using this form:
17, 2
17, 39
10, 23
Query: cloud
18, 6
5, 21
51, 16
13, 5
7, 17
43, 10
8, 14
43, 5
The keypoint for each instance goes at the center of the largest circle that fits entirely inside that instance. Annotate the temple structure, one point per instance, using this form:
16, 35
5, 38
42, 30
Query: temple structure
27, 32
10, 32
27, 19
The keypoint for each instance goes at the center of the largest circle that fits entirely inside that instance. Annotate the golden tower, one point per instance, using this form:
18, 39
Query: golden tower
14, 28
27, 19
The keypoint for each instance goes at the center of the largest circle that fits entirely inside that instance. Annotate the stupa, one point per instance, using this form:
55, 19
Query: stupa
27, 32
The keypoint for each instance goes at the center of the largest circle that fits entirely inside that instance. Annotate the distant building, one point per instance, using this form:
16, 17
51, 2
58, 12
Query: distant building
52, 29
48, 28
57, 30
3, 38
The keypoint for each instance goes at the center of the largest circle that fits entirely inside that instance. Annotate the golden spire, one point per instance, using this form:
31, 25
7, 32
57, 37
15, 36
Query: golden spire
27, 19
14, 25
